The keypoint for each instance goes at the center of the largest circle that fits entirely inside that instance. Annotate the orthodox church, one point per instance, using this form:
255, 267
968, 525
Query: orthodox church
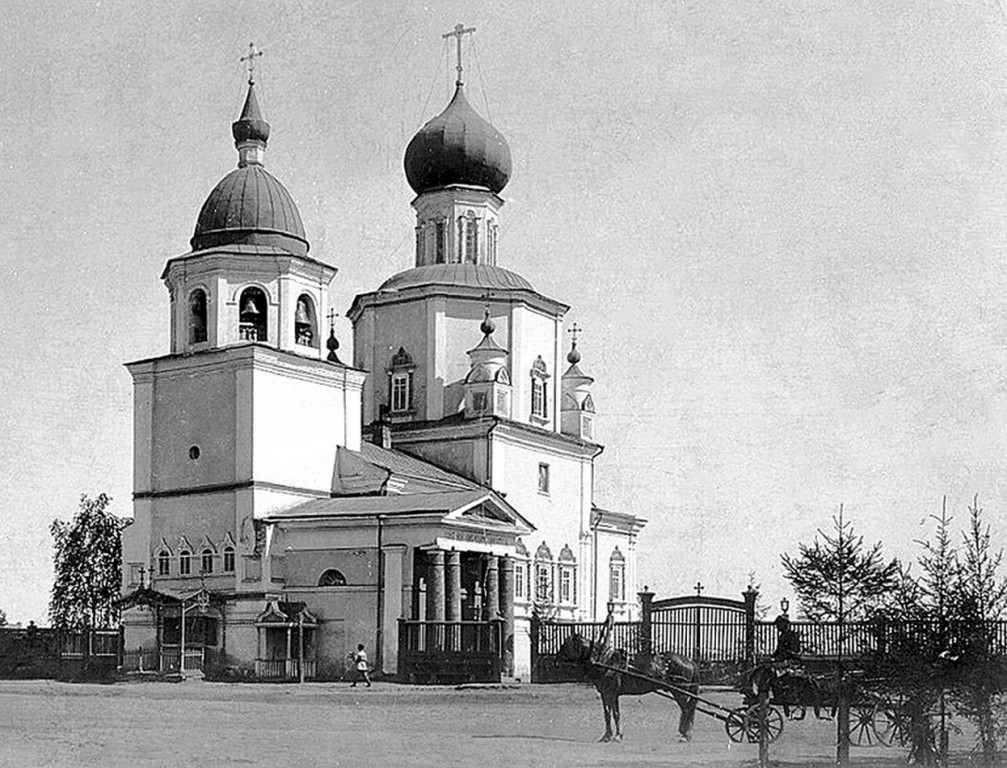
423, 501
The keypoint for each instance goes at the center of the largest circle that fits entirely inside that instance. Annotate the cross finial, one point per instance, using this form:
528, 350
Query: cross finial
332, 318
253, 54
575, 331
699, 588
457, 33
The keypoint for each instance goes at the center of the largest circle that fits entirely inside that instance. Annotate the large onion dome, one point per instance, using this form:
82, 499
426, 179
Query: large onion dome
458, 147
250, 206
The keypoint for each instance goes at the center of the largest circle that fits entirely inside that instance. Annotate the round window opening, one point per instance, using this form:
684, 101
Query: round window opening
194, 452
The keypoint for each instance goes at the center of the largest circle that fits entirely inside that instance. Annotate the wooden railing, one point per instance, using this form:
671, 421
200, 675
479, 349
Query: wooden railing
450, 636
450, 651
284, 669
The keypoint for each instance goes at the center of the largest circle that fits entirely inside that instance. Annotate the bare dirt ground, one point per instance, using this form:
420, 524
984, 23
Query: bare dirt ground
136, 725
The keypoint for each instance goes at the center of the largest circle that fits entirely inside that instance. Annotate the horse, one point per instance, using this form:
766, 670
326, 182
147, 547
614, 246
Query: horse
610, 684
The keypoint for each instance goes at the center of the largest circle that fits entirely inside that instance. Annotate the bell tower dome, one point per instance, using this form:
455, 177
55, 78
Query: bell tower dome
248, 278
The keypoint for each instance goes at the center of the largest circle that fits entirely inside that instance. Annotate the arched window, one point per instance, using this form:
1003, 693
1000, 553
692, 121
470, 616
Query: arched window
184, 562
206, 561
252, 324
305, 328
617, 577
197, 316
163, 563
332, 578
228, 559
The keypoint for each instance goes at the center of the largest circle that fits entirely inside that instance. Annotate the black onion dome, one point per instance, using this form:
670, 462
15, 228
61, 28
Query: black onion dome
458, 147
250, 207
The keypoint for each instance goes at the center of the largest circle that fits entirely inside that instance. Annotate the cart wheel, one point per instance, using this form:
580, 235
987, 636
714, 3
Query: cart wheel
888, 726
774, 724
736, 725
862, 732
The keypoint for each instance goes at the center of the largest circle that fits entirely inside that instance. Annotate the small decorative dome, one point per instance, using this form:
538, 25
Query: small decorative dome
487, 326
573, 356
250, 126
249, 206
458, 147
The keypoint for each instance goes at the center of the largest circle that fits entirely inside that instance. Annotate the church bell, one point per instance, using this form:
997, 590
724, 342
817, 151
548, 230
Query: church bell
301, 315
249, 308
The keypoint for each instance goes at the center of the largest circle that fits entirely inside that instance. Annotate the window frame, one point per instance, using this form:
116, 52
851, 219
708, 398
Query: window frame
228, 560
163, 563
184, 563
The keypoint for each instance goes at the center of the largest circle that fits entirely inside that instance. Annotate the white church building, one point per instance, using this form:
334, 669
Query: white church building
423, 501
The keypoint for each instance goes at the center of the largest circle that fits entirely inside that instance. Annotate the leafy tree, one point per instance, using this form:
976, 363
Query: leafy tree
87, 564
837, 579
3, 618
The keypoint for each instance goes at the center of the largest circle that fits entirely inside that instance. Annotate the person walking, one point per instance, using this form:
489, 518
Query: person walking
363, 673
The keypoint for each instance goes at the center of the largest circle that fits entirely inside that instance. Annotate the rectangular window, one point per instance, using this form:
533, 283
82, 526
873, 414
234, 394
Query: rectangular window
400, 392
617, 582
184, 563
538, 398
543, 478
228, 560
519, 589
543, 583
566, 585
478, 402
440, 242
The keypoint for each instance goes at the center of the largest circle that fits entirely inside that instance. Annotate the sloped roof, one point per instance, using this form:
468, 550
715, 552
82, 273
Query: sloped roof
351, 506
404, 464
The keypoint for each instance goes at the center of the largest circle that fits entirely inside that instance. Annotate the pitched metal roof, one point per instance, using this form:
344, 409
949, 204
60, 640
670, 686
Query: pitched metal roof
353, 506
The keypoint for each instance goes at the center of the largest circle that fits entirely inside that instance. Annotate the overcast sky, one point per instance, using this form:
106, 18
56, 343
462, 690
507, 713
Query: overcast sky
781, 225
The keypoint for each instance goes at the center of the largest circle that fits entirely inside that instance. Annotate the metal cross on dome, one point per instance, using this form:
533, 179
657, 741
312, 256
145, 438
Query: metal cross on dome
457, 33
699, 588
332, 319
253, 54
575, 331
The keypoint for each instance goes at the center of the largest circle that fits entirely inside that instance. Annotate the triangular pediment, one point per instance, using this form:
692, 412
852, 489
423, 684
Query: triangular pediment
490, 510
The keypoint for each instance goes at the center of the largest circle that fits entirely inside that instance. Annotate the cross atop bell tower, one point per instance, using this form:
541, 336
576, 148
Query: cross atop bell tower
249, 59
458, 32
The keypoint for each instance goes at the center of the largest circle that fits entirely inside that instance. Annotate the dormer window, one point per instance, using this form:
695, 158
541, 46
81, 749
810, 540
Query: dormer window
252, 325
206, 561
184, 562
400, 383
197, 316
305, 327
228, 559
163, 563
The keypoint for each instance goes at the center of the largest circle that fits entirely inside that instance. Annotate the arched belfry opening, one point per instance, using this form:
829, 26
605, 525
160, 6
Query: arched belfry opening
305, 322
252, 321
197, 316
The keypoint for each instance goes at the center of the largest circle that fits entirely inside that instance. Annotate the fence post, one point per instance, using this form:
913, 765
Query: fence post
535, 628
749, 596
646, 638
